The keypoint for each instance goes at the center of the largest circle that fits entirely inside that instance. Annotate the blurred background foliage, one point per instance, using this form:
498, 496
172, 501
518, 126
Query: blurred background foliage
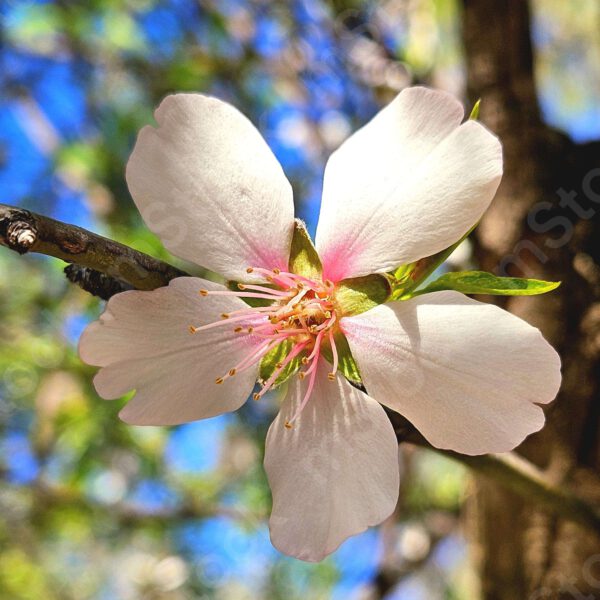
91, 508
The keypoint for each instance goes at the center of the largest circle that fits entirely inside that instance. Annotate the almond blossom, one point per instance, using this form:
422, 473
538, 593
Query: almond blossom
320, 323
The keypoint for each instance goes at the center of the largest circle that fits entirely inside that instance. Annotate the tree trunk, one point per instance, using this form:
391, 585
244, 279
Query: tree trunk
544, 223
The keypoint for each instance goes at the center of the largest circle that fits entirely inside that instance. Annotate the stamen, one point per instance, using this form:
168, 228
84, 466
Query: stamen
279, 368
334, 353
261, 288
307, 395
237, 294
251, 310
294, 276
223, 322
255, 356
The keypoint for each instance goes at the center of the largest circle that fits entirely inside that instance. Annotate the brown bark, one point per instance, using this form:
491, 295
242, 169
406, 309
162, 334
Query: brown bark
522, 552
100, 266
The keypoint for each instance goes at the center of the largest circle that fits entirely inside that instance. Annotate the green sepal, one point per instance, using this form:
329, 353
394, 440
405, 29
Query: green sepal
475, 112
359, 294
481, 282
346, 363
276, 355
409, 277
304, 259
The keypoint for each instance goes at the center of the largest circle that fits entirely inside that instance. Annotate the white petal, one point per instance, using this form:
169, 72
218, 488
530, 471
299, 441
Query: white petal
465, 373
334, 473
407, 185
207, 184
143, 342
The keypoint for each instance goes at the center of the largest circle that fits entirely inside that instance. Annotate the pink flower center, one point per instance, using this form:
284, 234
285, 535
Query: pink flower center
300, 310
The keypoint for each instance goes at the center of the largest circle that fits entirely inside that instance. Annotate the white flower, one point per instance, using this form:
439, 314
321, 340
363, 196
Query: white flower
407, 185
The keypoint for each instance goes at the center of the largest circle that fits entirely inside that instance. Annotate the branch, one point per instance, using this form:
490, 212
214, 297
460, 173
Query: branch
104, 263
516, 474
104, 267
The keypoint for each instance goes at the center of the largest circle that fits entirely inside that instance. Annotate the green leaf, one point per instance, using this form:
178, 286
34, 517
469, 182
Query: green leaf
475, 112
277, 355
359, 294
304, 259
481, 282
346, 363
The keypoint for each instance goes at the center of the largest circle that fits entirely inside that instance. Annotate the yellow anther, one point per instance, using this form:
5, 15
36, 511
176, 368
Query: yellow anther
219, 380
300, 285
328, 314
331, 376
304, 360
256, 396
232, 372
241, 286
250, 329
249, 270
238, 329
288, 425
224, 316
269, 279
279, 365
301, 375
276, 271
192, 329
204, 292
328, 283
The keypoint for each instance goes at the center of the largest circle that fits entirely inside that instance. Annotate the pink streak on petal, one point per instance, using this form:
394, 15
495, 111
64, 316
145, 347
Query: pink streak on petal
339, 259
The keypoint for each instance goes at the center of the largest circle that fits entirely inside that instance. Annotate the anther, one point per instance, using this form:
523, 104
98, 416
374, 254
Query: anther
304, 360
192, 329
256, 396
241, 286
224, 316
331, 376
204, 292
250, 329
288, 425
301, 375
279, 365
238, 329
232, 372
219, 380
249, 270
276, 271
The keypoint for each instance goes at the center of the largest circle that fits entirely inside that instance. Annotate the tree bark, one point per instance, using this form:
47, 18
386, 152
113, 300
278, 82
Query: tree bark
543, 223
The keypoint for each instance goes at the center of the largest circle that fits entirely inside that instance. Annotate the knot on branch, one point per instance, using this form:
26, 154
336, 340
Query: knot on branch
94, 282
20, 236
